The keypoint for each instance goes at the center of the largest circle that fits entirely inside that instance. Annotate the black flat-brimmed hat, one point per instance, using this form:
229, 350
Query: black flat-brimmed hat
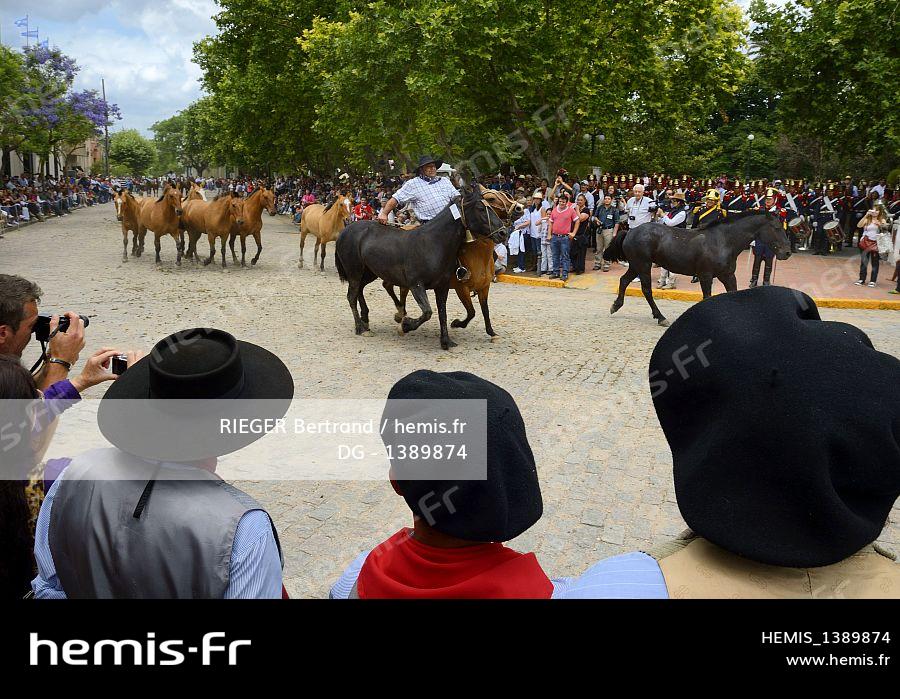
428, 159
782, 454
170, 404
496, 508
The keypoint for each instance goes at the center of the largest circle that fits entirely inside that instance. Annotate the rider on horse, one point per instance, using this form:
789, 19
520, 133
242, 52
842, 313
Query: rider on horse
427, 193
710, 212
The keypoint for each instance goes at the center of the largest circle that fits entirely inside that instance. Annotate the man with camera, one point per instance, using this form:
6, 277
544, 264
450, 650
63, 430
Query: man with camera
19, 320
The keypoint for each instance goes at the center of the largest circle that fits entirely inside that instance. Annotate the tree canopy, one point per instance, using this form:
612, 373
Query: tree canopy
130, 153
666, 86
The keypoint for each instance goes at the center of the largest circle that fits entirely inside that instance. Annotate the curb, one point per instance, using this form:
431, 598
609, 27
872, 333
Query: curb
531, 281
860, 304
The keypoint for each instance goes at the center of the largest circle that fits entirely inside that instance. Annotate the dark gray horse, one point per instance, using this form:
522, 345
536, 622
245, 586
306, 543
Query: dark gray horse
710, 252
419, 259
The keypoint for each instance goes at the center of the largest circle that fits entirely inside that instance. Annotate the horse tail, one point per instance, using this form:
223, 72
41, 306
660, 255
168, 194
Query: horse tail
614, 251
342, 273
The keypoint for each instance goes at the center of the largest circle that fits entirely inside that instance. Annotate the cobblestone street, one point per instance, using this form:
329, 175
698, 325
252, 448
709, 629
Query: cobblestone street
578, 374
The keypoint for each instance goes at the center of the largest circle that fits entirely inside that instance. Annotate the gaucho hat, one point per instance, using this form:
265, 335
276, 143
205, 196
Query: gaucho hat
170, 404
781, 453
428, 159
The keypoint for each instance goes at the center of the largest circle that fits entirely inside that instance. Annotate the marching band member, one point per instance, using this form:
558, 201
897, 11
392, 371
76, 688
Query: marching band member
761, 251
736, 202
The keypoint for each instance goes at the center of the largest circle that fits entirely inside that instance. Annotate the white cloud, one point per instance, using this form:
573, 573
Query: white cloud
142, 48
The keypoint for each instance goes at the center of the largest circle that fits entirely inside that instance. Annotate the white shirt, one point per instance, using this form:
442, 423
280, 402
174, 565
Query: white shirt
675, 220
428, 200
641, 209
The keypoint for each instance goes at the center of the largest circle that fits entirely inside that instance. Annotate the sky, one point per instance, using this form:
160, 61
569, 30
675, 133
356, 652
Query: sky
143, 48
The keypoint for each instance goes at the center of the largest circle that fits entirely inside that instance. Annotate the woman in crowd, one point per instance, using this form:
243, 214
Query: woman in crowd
580, 234
871, 225
17, 390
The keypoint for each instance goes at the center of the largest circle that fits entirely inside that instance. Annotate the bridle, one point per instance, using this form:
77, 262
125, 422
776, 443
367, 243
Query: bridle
494, 233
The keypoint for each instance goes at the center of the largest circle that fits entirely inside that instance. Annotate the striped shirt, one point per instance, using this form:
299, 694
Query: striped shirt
255, 566
632, 575
428, 199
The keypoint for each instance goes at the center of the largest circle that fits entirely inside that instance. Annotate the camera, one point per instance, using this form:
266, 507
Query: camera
42, 327
118, 364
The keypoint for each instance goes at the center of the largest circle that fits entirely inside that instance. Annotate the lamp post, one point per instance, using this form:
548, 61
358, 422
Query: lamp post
750, 138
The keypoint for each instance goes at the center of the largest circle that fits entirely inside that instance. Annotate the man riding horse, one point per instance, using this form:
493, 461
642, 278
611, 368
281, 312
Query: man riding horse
428, 195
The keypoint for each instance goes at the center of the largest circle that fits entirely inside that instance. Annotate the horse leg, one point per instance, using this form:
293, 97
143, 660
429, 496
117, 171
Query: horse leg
440, 296
398, 316
156, 245
420, 294
322, 265
302, 243
212, 248
179, 247
243, 251
647, 288
462, 291
627, 277
353, 293
367, 278
729, 281
223, 251
483, 301
231, 239
125, 246
315, 254
257, 236
706, 286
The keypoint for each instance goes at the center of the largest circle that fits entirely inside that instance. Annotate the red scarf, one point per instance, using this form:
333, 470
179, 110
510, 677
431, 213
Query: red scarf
403, 568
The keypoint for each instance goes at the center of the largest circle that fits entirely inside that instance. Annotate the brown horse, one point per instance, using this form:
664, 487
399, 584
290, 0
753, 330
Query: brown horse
478, 257
253, 205
128, 211
162, 216
195, 193
215, 218
325, 223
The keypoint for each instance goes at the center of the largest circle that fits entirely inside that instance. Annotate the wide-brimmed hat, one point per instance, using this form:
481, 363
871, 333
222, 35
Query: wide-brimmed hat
169, 406
426, 160
773, 458
677, 195
497, 507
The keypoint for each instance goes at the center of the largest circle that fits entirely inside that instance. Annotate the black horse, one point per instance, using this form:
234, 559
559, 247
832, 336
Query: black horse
419, 259
710, 252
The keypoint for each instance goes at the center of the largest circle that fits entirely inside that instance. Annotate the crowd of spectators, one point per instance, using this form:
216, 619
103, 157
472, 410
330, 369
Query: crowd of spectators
27, 198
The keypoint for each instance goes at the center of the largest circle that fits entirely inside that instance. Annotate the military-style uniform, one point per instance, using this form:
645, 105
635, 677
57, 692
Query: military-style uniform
819, 216
762, 253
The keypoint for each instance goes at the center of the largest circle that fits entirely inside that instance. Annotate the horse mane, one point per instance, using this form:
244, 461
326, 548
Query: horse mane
731, 218
255, 192
222, 195
162, 196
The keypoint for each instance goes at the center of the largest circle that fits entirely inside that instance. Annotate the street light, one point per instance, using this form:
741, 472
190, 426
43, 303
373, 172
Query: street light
750, 138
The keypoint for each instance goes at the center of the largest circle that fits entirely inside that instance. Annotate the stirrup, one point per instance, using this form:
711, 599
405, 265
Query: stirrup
462, 274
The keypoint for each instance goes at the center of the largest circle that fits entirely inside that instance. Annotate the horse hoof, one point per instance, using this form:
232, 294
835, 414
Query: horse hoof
253, 262
456, 324
400, 330
367, 333
495, 338
613, 309
663, 322
398, 317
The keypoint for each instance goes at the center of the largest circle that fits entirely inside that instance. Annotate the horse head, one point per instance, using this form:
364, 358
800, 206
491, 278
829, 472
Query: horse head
268, 200
172, 197
236, 210
479, 217
774, 235
118, 200
502, 203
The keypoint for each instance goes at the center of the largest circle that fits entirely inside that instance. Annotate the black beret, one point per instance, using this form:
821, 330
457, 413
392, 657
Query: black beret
784, 428
497, 508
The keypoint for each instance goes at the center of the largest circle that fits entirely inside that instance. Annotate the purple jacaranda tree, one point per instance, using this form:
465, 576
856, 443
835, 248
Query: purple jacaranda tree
59, 120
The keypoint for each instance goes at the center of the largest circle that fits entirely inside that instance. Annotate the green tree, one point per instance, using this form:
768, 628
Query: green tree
188, 139
130, 153
835, 67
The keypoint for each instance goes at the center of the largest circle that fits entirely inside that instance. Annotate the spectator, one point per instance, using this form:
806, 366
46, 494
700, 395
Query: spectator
606, 216
562, 222
794, 514
580, 234
454, 549
227, 545
871, 225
